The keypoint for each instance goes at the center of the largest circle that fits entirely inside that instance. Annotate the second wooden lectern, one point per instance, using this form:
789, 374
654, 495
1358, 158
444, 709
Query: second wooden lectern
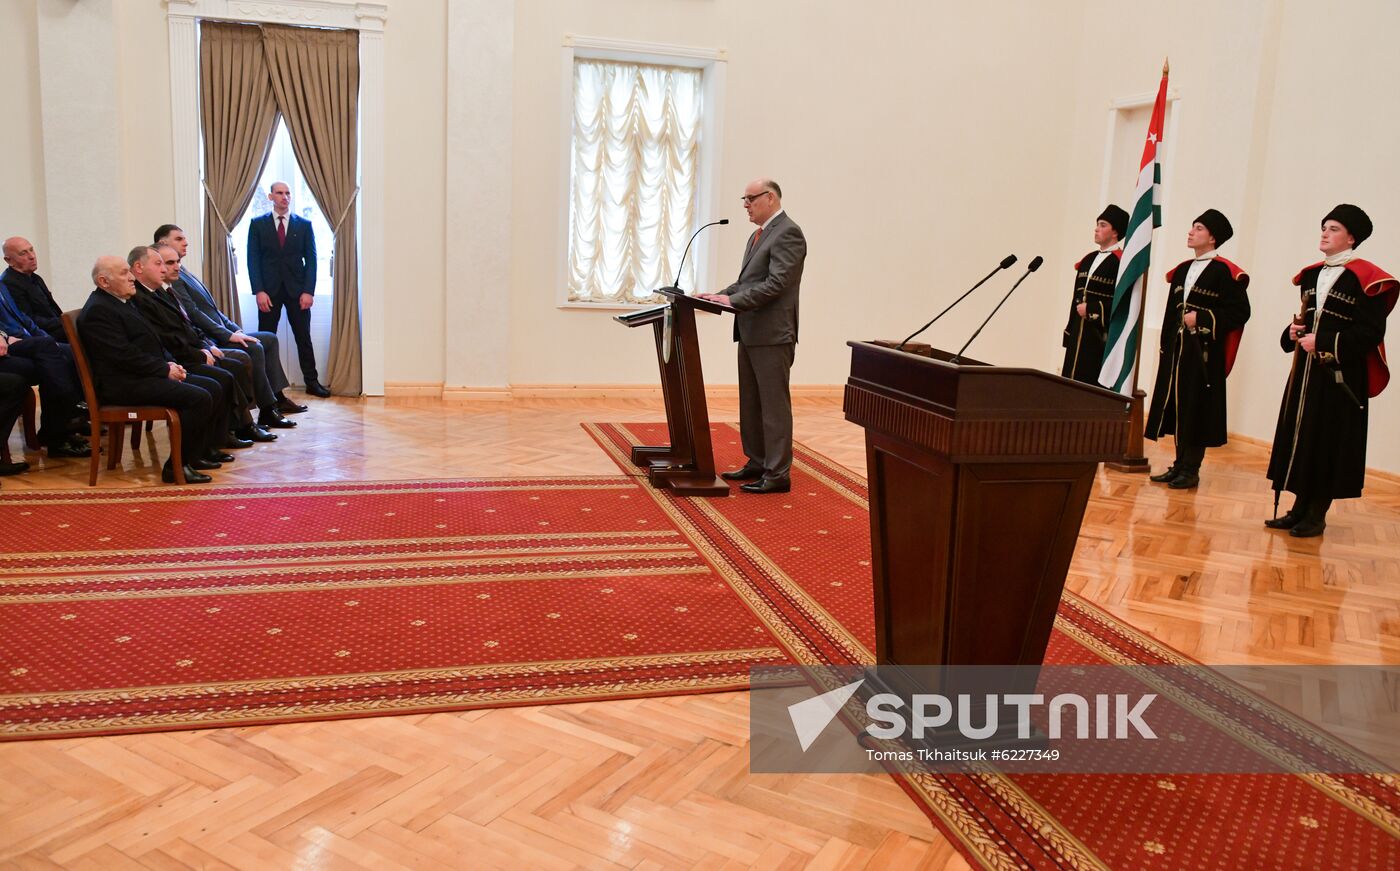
979, 477
687, 465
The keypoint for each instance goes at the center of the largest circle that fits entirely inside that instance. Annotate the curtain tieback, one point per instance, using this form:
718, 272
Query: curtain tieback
346, 211
223, 222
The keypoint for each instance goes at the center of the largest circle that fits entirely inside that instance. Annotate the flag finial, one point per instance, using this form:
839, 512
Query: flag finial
1166, 65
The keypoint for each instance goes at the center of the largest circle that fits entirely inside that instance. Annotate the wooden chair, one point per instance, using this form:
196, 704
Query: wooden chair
117, 416
31, 436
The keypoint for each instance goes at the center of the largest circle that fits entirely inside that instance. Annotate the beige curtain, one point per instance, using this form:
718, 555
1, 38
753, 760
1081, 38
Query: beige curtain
239, 113
632, 195
315, 77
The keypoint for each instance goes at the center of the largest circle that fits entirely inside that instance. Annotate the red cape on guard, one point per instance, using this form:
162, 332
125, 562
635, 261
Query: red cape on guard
1374, 282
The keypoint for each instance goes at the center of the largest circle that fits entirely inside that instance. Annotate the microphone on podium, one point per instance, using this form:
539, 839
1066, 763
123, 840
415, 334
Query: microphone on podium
1034, 265
1006, 263
677, 284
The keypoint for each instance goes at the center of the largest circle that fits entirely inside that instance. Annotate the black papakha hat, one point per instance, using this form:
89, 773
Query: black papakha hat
1218, 225
1357, 222
1117, 218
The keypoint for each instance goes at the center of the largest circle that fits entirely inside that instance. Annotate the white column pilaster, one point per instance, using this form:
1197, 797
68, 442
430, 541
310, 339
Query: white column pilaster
476, 323
82, 140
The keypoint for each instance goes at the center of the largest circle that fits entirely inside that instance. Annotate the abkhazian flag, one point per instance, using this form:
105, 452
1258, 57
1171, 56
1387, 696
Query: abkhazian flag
1120, 347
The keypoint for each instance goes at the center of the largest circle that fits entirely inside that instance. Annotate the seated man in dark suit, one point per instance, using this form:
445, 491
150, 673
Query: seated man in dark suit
188, 348
130, 367
28, 290
33, 355
236, 361
268, 378
282, 271
12, 393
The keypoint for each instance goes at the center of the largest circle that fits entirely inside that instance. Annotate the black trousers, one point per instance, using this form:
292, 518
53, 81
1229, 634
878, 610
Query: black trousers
42, 361
1189, 457
1310, 507
12, 390
299, 320
239, 364
192, 401
231, 395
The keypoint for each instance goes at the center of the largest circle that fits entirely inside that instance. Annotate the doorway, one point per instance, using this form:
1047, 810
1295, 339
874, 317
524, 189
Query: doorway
282, 166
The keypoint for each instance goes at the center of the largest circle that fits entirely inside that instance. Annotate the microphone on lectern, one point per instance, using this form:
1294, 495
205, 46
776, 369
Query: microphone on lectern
1034, 265
679, 269
1006, 263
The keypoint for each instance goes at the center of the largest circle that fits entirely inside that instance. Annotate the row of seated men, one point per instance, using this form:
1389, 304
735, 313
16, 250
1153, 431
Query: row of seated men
153, 336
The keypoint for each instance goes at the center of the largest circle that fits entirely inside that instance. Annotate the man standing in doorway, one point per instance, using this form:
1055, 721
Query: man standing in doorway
765, 327
282, 272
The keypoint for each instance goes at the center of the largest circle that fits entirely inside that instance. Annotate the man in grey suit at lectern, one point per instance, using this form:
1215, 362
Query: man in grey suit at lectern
765, 326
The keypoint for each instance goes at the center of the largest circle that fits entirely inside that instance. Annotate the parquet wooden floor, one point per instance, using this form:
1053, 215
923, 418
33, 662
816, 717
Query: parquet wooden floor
650, 783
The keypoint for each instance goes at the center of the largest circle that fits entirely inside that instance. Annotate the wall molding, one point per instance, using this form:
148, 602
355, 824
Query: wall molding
182, 18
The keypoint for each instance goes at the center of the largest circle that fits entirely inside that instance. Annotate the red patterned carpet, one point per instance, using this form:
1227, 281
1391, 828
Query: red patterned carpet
801, 563
147, 609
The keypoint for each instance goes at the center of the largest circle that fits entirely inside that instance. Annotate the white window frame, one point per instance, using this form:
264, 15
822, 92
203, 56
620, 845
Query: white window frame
713, 63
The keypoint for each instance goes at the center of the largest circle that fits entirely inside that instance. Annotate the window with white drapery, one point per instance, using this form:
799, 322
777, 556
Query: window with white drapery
634, 178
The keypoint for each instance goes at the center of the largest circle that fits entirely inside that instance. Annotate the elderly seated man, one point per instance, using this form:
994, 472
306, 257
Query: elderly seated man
130, 367
28, 289
32, 354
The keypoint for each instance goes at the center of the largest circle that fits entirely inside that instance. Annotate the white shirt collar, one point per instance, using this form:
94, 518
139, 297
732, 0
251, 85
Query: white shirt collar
1198, 265
771, 218
1099, 257
1341, 258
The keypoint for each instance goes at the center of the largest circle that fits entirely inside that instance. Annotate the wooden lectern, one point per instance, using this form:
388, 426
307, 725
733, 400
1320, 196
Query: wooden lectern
979, 477
687, 465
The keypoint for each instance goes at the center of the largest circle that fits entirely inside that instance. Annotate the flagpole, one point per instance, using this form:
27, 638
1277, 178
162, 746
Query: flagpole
1134, 458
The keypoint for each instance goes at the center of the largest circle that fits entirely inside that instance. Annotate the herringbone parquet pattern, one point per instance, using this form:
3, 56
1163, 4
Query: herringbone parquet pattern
651, 783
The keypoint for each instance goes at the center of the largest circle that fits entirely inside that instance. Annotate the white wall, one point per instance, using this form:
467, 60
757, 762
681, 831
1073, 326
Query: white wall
912, 155
415, 47
22, 146
917, 144
143, 97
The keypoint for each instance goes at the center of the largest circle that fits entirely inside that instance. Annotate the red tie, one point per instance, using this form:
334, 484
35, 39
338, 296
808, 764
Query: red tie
758, 234
281, 231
